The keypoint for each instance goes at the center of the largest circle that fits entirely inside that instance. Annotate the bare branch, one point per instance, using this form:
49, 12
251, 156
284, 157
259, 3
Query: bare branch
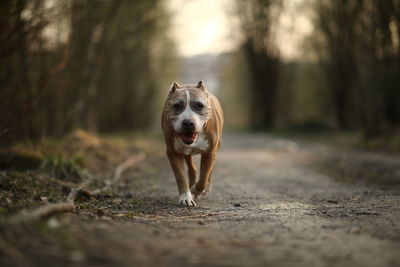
43, 212
120, 170
75, 193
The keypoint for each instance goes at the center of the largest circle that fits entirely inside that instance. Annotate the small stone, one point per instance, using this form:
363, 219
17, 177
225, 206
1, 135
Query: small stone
65, 190
53, 223
8, 200
77, 256
156, 232
101, 212
117, 201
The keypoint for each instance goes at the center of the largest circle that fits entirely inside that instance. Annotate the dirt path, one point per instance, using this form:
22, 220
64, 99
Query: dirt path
272, 204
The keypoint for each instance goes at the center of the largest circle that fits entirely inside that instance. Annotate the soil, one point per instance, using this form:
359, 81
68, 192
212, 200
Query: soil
274, 202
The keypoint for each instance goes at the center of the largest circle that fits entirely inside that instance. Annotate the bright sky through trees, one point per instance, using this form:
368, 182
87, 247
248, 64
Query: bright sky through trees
209, 26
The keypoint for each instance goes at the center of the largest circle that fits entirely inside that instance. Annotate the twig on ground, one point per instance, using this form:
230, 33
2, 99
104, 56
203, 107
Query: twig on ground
167, 218
51, 209
43, 212
68, 205
76, 192
54, 180
126, 165
119, 170
3, 131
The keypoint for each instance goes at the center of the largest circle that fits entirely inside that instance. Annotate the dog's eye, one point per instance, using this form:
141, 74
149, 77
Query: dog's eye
199, 105
177, 106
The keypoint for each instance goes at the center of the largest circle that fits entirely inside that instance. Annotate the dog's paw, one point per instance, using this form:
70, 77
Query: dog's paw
186, 200
195, 192
208, 189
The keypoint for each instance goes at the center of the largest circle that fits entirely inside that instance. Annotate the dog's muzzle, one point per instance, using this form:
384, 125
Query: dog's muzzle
188, 138
188, 134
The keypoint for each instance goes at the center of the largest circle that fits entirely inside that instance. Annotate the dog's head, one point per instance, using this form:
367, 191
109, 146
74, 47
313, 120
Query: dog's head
188, 108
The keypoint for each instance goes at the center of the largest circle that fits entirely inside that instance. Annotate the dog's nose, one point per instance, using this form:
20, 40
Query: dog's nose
188, 125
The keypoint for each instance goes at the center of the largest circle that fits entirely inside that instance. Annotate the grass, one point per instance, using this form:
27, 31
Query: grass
31, 175
20, 190
69, 169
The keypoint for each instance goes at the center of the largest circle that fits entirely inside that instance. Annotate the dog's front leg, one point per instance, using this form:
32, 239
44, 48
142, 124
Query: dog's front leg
191, 170
206, 167
177, 163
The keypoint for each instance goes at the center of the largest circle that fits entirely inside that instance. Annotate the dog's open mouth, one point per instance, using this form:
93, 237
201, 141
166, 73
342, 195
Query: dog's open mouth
188, 138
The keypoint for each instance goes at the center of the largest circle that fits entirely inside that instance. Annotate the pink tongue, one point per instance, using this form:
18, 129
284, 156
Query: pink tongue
188, 138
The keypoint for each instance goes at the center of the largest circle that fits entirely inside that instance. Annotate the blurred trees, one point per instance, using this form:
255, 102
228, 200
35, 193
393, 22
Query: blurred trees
361, 56
336, 22
66, 64
256, 18
97, 65
354, 84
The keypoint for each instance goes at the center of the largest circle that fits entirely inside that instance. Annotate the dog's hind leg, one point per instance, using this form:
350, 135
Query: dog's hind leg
191, 170
206, 167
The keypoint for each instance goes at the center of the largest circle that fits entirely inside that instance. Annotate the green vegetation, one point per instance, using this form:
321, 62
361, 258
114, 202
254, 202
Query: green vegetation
64, 169
64, 164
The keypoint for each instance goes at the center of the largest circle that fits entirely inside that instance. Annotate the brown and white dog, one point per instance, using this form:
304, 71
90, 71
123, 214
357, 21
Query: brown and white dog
192, 122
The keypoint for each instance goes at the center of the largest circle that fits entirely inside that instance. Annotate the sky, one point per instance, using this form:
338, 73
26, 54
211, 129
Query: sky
203, 26
208, 26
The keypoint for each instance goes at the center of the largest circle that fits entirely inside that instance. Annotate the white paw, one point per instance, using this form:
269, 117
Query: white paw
186, 200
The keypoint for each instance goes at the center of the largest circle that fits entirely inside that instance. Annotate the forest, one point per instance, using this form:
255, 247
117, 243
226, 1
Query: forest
347, 79
308, 170
104, 66
94, 65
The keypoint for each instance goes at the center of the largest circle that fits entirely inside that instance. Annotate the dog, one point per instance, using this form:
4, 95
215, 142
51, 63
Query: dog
192, 122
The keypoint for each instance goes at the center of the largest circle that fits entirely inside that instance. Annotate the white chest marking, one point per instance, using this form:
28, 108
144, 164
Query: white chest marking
199, 146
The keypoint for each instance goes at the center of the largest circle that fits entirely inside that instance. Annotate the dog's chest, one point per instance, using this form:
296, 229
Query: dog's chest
199, 146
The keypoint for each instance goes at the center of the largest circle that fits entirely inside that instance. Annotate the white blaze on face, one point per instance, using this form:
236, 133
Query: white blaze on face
189, 114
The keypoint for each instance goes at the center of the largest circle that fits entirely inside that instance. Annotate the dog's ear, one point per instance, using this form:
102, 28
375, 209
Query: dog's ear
200, 85
175, 85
